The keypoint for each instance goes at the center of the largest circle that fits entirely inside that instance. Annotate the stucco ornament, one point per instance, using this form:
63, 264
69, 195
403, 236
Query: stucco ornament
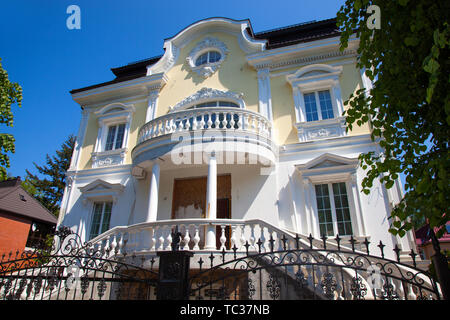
207, 44
207, 94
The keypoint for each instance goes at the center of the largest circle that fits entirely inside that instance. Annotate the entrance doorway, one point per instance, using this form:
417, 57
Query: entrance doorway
189, 201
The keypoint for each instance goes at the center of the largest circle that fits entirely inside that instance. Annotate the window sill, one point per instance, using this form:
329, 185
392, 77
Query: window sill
321, 129
108, 158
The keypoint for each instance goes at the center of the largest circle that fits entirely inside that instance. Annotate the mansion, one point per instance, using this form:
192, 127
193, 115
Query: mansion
230, 136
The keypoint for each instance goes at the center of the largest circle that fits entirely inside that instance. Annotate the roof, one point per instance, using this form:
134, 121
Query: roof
14, 199
276, 38
423, 235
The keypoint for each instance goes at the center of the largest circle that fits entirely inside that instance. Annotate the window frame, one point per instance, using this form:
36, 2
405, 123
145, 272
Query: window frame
116, 134
328, 169
334, 219
114, 114
208, 57
102, 217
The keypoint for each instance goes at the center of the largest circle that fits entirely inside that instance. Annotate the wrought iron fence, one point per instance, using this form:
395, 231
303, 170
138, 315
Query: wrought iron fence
308, 272
281, 269
70, 270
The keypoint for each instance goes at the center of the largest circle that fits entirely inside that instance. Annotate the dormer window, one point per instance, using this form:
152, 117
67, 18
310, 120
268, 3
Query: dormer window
207, 57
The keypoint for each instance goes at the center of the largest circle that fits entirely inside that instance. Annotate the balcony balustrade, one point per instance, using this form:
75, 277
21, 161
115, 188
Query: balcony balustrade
213, 118
196, 235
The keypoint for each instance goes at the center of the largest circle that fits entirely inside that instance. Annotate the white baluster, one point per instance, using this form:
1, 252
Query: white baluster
153, 239
169, 238
223, 238
161, 239
246, 121
242, 237
252, 239
196, 239
232, 123
263, 239
186, 238
120, 243
107, 245
217, 121
194, 121
233, 239
209, 120
202, 121
113, 243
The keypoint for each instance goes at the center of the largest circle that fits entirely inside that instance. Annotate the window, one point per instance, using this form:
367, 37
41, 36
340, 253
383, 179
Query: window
333, 209
318, 100
215, 104
115, 136
207, 57
100, 218
114, 122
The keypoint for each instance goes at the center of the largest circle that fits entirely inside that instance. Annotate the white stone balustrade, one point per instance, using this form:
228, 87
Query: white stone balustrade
214, 118
157, 236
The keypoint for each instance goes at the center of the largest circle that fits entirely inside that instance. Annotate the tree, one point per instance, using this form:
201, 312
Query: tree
10, 93
408, 108
49, 190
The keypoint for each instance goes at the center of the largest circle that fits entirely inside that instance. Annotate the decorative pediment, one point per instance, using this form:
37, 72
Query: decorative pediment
100, 190
208, 94
172, 46
328, 167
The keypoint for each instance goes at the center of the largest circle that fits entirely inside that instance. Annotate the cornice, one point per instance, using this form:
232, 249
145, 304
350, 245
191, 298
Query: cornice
124, 89
302, 53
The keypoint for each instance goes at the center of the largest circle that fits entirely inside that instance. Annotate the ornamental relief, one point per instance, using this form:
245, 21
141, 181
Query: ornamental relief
208, 94
207, 44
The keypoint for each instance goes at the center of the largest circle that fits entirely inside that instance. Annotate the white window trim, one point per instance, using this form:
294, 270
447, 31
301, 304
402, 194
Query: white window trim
107, 118
326, 79
91, 218
100, 190
333, 206
207, 44
344, 171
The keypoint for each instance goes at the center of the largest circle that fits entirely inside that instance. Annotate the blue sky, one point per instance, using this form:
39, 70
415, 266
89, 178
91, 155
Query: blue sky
48, 60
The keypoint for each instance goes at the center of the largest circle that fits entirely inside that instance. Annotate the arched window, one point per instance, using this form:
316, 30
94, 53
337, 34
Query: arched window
215, 104
207, 57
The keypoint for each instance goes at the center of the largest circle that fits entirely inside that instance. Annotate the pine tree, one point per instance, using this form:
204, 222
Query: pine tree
50, 189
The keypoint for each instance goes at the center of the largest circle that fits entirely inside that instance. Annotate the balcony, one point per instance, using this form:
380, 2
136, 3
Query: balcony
245, 133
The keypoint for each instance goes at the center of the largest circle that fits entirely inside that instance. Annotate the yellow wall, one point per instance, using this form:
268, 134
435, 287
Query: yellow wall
283, 102
233, 75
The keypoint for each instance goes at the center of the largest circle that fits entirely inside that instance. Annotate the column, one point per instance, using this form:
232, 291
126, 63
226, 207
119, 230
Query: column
153, 196
265, 100
211, 201
355, 195
151, 106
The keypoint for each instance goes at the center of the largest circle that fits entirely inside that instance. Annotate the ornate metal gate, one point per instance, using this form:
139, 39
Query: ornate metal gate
307, 272
300, 268
70, 270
